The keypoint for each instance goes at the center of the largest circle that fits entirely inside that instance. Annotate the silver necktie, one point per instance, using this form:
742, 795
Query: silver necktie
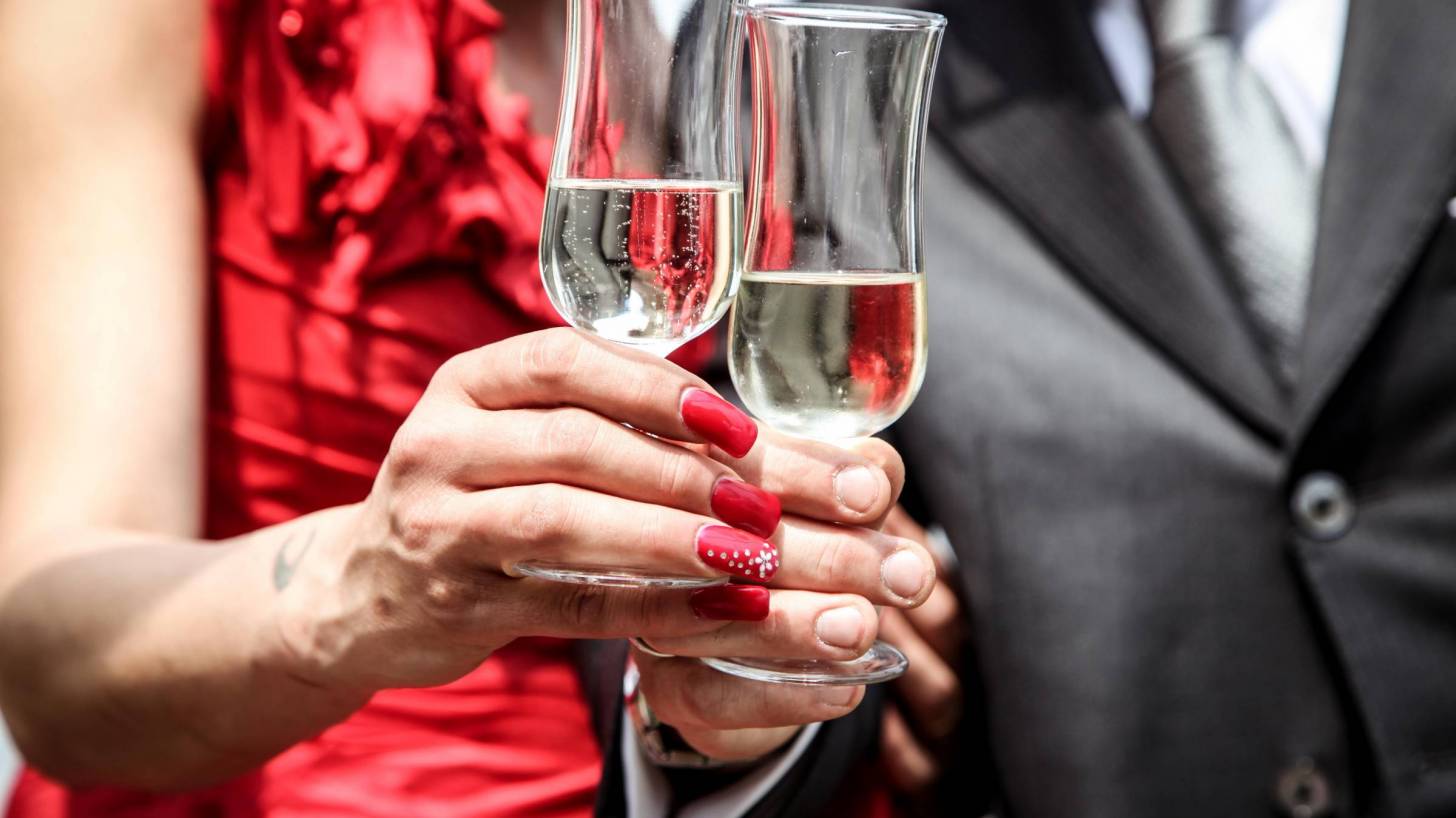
1225, 138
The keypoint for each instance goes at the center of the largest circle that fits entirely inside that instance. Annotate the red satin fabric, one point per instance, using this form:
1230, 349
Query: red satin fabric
375, 206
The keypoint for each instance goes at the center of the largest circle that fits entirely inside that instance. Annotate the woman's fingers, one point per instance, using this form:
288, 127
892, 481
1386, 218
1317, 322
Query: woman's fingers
481, 450
856, 484
553, 523
886, 570
536, 607
791, 624
692, 696
799, 625
561, 367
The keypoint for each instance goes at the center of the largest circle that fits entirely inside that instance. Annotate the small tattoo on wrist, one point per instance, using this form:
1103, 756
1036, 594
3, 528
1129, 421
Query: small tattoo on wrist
286, 563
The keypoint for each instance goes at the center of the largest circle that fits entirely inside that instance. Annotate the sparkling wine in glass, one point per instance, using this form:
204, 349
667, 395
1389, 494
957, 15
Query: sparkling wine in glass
829, 355
641, 242
651, 263
828, 336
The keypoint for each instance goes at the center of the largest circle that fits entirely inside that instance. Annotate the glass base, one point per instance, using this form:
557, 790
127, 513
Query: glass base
610, 577
882, 663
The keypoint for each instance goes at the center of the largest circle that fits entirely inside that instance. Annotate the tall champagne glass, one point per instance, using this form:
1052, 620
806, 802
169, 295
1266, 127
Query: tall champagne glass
642, 237
828, 335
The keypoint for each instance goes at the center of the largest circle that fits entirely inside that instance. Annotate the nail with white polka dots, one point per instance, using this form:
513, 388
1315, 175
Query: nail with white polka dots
737, 553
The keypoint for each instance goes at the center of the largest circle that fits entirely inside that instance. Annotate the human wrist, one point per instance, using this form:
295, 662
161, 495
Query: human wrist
305, 634
673, 747
745, 746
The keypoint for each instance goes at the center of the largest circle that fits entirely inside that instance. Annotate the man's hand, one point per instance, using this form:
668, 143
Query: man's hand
927, 705
837, 568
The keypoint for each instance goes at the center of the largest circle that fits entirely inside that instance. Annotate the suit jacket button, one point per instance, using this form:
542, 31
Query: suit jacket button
1303, 791
1323, 507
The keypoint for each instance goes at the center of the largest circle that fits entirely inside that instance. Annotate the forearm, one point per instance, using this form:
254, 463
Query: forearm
133, 660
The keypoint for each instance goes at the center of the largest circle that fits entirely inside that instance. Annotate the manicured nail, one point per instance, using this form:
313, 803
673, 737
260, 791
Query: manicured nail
856, 488
731, 603
737, 553
840, 627
746, 506
719, 421
905, 574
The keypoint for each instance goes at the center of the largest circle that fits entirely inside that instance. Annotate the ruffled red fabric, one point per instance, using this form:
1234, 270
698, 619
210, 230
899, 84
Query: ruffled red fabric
372, 142
372, 136
374, 209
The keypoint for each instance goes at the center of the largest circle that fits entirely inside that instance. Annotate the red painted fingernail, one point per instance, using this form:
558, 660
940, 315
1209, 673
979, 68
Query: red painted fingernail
746, 506
722, 423
731, 603
737, 553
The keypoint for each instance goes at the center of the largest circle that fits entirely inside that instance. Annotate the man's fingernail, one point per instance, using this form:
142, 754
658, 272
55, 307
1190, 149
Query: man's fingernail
905, 574
840, 627
856, 488
737, 553
731, 603
746, 506
839, 696
719, 422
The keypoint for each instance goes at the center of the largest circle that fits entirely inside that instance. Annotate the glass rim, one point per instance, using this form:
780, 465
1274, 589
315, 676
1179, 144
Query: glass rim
846, 15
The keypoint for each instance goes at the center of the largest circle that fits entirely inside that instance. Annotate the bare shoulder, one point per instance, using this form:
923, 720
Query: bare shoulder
102, 269
98, 59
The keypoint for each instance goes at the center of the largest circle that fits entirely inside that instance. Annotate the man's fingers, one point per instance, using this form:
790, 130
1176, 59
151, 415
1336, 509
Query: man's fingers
911, 768
888, 460
561, 367
930, 690
938, 619
688, 694
886, 570
800, 625
938, 622
854, 486
738, 745
901, 524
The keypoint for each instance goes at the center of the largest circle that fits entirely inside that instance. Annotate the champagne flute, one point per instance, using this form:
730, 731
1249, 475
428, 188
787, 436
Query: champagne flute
828, 331
641, 242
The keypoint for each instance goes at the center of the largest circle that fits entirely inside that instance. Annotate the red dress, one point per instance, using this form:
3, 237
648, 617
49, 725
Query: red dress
374, 210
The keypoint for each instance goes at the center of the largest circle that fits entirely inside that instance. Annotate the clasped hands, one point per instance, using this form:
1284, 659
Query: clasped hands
522, 450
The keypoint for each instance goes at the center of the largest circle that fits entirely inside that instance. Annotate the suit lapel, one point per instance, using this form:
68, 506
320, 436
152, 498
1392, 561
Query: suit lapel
1390, 169
600, 664
1026, 103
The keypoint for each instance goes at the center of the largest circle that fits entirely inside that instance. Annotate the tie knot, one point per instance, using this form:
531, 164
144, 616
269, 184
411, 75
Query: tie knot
1176, 22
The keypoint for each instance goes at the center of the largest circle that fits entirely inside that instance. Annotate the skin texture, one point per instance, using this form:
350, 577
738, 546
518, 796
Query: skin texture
926, 706
121, 632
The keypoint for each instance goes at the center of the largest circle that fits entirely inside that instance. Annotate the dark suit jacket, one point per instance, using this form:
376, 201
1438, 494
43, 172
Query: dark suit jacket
1157, 629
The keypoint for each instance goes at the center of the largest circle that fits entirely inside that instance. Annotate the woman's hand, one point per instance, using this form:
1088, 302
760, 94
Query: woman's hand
518, 451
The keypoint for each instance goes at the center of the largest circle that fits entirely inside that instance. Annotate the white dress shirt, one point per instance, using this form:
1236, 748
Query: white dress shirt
648, 795
1295, 46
